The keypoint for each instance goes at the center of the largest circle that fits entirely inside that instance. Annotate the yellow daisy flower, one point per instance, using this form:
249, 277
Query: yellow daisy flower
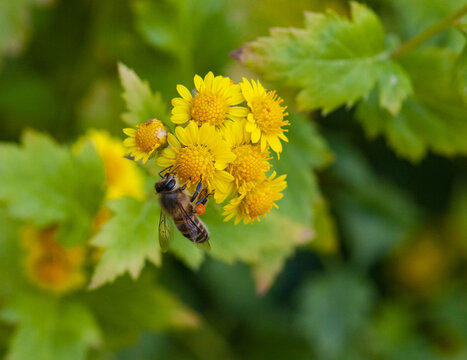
145, 139
49, 265
123, 177
213, 103
199, 154
251, 163
266, 117
257, 201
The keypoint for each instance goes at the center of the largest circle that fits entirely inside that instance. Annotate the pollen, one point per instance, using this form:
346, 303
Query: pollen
150, 135
208, 108
268, 113
248, 164
196, 163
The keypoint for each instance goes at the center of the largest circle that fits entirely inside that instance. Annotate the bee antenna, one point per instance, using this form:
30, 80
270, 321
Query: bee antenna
163, 170
173, 170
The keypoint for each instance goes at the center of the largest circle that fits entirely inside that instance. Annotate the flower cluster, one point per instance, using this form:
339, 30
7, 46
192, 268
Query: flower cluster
223, 137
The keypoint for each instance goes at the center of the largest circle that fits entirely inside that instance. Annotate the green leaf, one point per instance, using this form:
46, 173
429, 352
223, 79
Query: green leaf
434, 118
141, 102
332, 310
128, 240
49, 329
47, 184
334, 61
127, 307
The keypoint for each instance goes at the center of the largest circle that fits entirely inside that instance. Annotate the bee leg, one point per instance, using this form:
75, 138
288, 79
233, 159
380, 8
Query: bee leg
204, 199
183, 187
198, 189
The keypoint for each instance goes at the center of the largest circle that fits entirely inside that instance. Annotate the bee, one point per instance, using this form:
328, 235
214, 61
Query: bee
177, 203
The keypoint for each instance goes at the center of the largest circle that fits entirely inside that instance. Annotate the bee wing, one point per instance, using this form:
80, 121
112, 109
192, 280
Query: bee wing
194, 229
165, 231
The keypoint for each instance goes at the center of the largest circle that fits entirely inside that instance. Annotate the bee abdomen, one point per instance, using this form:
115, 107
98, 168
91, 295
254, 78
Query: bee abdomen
197, 234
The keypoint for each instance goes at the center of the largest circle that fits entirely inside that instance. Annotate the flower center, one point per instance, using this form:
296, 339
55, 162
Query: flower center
259, 201
150, 135
196, 164
208, 108
248, 165
268, 113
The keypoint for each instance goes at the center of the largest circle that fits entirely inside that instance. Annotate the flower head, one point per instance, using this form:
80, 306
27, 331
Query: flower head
122, 175
266, 117
199, 155
49, 265
257, 201
251, 163
213, 103
145, 139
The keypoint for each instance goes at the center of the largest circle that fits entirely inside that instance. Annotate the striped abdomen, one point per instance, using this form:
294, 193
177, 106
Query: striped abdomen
192, 228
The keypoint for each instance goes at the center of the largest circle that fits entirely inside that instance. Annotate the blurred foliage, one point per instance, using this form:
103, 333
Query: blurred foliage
364, 259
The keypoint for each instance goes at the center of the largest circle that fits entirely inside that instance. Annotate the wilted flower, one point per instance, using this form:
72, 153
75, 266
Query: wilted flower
145, 139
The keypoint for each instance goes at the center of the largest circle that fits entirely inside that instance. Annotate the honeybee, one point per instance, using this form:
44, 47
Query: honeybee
183, 208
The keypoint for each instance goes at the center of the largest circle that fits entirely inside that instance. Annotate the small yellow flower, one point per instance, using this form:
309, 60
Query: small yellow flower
257, 201
49, 265
145, 139
213, 103
199, 154
123, 177
266, 117
250, 164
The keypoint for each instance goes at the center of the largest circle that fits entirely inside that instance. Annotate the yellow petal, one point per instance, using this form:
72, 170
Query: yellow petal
255, 135
275, 143
199, 83
182, 135
179, 118
184, 92
129, 131
173, 142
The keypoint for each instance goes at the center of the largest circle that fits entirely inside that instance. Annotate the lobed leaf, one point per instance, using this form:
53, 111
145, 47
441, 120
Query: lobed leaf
141, 102
333, 61
434, 118
47, 184
128, 239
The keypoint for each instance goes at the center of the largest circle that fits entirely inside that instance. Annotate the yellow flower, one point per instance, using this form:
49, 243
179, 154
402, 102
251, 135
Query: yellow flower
257, 201
250, 164
123, 177
199, 154
49, 265
145, 139
212, 104
266, 117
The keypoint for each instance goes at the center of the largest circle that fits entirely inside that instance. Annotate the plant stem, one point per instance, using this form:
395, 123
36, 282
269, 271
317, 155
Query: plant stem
429, 32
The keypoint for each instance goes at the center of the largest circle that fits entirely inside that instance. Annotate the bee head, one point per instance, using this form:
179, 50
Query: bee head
167, 183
